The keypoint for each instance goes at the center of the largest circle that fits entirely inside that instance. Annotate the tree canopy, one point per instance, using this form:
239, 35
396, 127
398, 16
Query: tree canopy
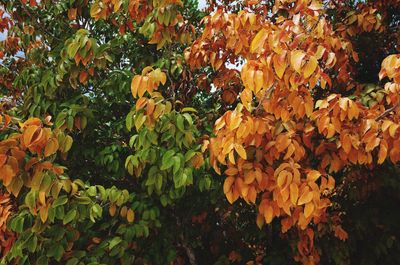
152, 132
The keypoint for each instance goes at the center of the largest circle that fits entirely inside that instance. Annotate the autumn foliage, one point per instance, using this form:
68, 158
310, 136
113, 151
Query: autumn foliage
152, 132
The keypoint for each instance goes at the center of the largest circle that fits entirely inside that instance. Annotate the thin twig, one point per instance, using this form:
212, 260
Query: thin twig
386, 112
265, 95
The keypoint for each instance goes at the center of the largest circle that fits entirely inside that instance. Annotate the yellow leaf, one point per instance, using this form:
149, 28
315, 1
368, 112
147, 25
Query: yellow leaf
234, 122
372, 143
306, 197
331, 183
282, 178
51, 147
310, 67
259, 80
294, 193
308, 209
279, 65
296, 59
258, 41
130, 215
313, 175
241, 151
163, 78
393, 129
386, 124
42, 197
231, 157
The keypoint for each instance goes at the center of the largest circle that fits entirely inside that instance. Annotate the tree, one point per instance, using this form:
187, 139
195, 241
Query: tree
149, 132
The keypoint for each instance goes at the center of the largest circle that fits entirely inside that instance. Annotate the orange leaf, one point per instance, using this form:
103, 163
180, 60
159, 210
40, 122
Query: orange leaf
112, 210
141, 103
382, 152
269, 214
44, 213
346, 143
3, 159
83, 77
28, 134
130, 215
136, 80
144, 86
72, 13
232, 171
249, 177
6, 174
228, 184
260, 221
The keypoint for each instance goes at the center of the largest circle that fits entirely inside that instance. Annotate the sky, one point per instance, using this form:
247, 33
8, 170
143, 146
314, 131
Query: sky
202, 4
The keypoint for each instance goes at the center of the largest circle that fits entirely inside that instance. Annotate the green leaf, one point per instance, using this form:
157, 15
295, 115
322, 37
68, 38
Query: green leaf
69, 216
188, 118
113, 242
72, 49
139, 120
177, 164
189, 154
188, 109
60, 201
129, 120
32, 244
68, 143
179, 123
43, 260
167, 160
56, 251
159, 182
30, 200
72, 261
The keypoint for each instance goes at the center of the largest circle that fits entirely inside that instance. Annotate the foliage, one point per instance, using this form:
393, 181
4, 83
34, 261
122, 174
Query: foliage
150, 132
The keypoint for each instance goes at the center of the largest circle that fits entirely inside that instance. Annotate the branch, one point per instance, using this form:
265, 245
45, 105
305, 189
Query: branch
386, 112
189, 252
265, 95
